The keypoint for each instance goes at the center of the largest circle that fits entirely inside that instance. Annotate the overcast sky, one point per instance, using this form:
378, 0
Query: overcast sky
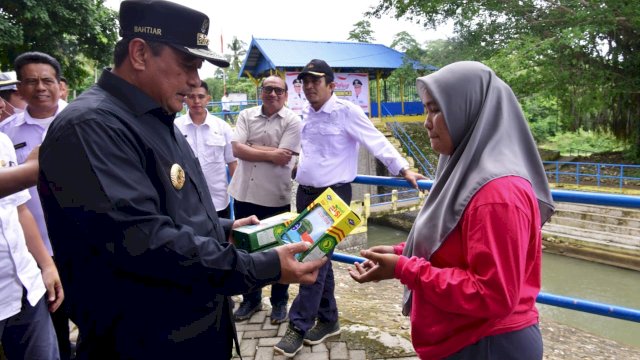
325, 20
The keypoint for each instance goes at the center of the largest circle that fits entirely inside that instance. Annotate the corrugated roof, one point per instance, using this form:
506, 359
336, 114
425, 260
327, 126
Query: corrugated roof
292, 55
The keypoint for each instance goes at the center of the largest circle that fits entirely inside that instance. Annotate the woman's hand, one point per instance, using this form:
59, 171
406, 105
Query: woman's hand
380, 265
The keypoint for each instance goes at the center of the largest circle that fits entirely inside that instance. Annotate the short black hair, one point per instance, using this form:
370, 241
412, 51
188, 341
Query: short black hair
6, 94
36, 57
204, 85
121, 50
63, 79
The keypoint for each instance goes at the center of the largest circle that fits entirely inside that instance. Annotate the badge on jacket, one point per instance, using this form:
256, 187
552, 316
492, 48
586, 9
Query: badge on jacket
177, 176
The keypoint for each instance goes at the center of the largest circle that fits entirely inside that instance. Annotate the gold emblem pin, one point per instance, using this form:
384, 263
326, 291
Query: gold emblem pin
2, 163
177, 176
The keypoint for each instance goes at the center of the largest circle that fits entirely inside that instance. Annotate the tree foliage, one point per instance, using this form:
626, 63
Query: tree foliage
585, 54
238, 50
362, 32
81, 34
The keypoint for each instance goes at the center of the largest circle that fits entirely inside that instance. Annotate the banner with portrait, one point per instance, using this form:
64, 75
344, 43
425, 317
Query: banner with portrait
353, 87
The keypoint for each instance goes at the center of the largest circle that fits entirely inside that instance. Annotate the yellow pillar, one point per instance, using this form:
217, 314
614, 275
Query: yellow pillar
379, 93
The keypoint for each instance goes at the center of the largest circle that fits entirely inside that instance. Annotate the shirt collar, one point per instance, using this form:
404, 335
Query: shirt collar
326, 108
132, 97
25, 118
208, 120
279, 113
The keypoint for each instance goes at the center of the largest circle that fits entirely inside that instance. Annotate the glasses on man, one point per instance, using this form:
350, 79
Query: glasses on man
33, 82
197, 96
268, 89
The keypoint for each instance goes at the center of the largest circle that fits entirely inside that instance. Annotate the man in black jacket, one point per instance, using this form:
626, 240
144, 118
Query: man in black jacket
145, 259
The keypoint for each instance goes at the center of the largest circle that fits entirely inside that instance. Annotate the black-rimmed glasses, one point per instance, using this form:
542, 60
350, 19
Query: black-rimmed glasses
269, 89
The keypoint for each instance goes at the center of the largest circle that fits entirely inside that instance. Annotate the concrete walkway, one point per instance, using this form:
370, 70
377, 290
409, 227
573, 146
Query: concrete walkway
257, 337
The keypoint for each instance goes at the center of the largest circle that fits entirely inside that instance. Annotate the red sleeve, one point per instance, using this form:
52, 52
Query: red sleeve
399, 248
494, 238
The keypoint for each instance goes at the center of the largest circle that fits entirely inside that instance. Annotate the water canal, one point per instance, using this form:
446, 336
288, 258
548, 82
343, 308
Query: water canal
574, 278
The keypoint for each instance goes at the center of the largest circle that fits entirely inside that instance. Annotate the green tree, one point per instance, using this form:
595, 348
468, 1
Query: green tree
238, 50
81, 34
583, 53
362, 32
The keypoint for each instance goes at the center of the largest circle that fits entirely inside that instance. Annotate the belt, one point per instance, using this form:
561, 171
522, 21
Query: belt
314, 190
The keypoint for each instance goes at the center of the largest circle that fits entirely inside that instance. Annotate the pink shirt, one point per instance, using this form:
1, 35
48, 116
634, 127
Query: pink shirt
485, 277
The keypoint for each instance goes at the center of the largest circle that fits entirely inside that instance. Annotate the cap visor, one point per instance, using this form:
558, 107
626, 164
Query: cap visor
312, 73
210, 56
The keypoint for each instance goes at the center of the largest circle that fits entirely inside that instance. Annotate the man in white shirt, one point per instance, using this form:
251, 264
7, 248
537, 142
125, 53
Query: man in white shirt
332, 132
39, 86
225, 103
210, 139
27, 272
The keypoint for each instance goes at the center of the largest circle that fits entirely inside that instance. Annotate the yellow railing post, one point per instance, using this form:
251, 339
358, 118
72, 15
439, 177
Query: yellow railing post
394, 199
366, 208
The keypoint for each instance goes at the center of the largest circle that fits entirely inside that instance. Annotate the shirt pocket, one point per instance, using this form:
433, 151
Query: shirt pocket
214, 147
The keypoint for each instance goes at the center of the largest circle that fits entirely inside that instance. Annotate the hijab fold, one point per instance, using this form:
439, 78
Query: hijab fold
491, 139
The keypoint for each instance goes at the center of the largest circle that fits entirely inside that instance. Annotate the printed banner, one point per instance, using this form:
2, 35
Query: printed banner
349, 86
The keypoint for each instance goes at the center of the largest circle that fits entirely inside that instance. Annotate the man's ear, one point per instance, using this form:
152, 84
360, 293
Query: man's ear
139, 51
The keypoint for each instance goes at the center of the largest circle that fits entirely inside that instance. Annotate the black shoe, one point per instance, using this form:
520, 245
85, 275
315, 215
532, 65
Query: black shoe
321, 331
290, 343
245, 310
279, 314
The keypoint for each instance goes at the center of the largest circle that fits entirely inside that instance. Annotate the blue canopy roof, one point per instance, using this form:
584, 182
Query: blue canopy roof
292, 55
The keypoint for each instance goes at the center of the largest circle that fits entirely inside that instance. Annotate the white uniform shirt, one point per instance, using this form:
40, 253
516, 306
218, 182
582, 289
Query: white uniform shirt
211, 143
18, 268
26, 133
331, 138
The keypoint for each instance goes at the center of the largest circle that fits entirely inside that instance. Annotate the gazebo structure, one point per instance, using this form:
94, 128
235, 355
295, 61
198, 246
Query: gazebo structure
276, 56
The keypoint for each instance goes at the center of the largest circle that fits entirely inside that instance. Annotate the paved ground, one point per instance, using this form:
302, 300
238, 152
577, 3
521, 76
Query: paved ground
258, 336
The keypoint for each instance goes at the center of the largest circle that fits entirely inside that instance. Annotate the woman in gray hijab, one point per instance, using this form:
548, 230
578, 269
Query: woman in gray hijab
471, 264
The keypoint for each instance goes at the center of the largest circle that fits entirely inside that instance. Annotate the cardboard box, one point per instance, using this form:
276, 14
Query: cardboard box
323, 224
263, 236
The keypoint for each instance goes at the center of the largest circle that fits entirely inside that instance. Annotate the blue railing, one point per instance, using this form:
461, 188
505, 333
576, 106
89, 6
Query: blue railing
414, 151
558, 195
581, 172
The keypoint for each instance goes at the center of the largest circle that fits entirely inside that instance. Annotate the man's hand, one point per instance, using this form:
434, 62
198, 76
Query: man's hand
412, 177
380, 265
251, 220
292, 271
55, 293
281, 157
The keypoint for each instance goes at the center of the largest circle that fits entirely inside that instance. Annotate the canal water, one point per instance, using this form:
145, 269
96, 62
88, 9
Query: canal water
574, 278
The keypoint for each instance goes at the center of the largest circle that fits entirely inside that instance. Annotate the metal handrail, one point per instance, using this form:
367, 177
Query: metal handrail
566, 302
414, 151
596, 168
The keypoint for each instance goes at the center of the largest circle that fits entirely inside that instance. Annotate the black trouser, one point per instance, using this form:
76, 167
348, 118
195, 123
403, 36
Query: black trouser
279, 292
317, 300
524, 344
60, 319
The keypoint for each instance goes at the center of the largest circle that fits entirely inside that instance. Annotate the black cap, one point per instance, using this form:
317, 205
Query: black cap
357, 82
179, 26
318, 68
297, 81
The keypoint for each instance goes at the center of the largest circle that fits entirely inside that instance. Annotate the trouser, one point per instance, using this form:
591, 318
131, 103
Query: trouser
316, 301
524, 344
29, 334
60, 319
279, 292
224, 213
